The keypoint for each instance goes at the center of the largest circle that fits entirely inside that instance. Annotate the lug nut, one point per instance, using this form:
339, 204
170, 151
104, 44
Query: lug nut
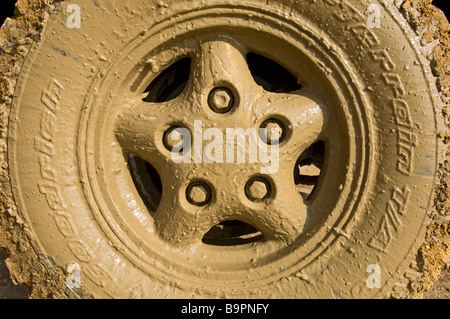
272, 131
198, 193
173, 136
257, 189
221, 100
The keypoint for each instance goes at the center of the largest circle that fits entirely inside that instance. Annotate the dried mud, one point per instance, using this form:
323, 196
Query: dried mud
431, 24
44, 279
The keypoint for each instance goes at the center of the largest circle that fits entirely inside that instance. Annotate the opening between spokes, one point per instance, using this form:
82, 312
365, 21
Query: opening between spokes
232, 233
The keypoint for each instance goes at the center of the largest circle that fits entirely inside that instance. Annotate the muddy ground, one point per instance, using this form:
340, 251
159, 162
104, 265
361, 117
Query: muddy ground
7, 288
440, 290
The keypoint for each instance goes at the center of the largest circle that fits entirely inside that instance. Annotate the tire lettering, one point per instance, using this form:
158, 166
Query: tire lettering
65, 224
48, 187
364, 35
383, 58
395, 82
395, 207
52, 195
406, 139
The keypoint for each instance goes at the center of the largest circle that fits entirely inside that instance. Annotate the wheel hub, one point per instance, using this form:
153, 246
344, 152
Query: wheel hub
209, 70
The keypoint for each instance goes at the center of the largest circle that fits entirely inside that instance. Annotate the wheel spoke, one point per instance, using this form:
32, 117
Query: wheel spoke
140, 125
304, 113
178, 223
282, 217
220, 63
273, 208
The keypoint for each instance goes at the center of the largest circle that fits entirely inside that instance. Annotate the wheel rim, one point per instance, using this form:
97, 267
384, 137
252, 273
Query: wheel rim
280, 243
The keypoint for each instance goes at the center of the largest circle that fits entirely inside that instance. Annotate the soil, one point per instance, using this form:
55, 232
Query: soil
426, 20
8, 290
441, 288
431, 24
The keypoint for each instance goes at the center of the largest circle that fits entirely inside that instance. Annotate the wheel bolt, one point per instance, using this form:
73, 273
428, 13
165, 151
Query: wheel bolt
274, 131
198, 193
257, 189
221, 100
173, 136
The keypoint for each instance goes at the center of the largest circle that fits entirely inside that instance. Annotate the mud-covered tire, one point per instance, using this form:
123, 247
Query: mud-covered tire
74, 211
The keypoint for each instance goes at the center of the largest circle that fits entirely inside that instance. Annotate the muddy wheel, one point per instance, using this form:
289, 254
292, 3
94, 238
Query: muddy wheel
209, 149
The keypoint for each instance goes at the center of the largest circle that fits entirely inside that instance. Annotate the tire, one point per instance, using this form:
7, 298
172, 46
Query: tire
97, 204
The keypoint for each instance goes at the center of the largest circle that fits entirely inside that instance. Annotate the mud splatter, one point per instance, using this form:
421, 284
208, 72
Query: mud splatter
432, 26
